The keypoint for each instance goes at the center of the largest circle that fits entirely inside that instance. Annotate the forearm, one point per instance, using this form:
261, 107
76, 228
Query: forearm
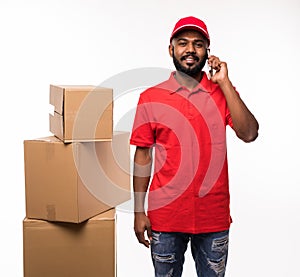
141, 177
140, 187
244, 123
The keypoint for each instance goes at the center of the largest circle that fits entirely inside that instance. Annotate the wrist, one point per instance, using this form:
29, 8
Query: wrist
139, 213
225, 83
139, 210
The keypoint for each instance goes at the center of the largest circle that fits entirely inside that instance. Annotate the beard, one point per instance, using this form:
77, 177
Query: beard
190, 71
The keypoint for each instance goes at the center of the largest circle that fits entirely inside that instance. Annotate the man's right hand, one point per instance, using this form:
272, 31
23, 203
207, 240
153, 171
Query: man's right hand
142, 224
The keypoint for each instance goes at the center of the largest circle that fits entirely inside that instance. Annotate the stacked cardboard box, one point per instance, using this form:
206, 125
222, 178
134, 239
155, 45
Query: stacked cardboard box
68, 249
81, 113
73, 182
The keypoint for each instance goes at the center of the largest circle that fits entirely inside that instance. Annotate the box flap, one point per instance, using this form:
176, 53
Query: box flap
57, 98
56, 125
108, 215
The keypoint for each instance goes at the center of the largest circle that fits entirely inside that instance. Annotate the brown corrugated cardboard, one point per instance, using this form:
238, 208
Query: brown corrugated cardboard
81, 113
68, 249
75, 181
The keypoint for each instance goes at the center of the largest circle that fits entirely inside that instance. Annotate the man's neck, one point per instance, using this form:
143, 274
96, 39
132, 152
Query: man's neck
187, 81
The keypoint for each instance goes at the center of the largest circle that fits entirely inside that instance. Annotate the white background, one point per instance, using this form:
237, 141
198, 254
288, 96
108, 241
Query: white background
89, 41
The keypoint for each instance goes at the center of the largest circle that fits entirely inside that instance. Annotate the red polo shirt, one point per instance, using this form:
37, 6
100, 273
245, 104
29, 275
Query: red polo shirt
189, 188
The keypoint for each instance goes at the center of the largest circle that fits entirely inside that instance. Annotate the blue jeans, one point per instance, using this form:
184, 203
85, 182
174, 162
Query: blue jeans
209, 251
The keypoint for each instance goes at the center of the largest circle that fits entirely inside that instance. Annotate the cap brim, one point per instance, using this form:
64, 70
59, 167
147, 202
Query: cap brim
190, 27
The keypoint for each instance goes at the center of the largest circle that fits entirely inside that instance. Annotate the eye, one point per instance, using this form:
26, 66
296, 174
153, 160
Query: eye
182, 43
199, 44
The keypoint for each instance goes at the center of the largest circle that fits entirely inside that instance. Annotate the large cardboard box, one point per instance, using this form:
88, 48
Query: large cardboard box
81, 113
75, 181
68, 249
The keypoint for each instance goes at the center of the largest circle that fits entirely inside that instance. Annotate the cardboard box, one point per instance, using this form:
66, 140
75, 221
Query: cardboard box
81, 113
76, 181
68, 249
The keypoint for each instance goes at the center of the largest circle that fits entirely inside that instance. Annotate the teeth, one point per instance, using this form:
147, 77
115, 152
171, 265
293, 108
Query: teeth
189, 60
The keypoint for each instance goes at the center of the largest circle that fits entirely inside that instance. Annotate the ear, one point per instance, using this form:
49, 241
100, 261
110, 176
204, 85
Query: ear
171, 50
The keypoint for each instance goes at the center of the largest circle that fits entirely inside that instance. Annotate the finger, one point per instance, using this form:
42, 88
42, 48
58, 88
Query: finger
149, 233
213, 59
220, 65
141, 238
216, 64
210, 60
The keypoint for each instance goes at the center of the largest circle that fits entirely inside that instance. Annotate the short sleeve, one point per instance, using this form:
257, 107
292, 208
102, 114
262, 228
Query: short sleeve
142, 130
228, 118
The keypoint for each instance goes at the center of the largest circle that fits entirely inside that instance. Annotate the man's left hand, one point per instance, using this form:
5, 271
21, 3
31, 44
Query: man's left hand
221, 70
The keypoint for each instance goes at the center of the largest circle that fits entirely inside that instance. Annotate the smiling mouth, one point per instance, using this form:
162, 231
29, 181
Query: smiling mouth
190, 59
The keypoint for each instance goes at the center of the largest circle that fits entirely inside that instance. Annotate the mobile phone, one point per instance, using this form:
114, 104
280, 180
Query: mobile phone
211, 71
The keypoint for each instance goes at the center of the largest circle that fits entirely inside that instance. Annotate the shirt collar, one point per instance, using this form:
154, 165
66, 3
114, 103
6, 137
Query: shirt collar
173, 86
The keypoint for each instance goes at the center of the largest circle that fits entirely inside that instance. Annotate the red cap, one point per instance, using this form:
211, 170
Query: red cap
188, 23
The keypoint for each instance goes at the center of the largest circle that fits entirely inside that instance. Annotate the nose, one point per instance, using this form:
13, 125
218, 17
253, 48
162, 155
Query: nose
190, 48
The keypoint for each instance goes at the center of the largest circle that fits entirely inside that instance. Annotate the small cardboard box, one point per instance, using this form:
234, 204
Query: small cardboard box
68, 249
75, 181
81, 113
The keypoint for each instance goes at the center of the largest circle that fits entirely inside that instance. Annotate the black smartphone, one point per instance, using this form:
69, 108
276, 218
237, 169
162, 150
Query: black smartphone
211, 71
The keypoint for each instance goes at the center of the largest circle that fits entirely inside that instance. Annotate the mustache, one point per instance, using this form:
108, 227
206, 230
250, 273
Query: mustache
196, 58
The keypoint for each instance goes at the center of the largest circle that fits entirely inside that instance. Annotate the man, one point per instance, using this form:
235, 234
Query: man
184, 121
